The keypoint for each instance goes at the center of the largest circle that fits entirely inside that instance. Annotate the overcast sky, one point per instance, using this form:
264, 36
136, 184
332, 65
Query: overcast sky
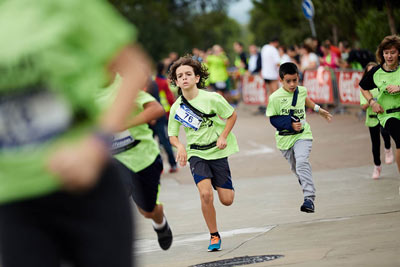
239, 11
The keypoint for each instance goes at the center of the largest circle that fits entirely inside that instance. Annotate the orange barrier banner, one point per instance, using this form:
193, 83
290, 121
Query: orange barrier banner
349, 90
319, 86
253, 90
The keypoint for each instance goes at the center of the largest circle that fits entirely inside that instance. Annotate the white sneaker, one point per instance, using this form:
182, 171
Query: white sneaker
388, 156
377, 172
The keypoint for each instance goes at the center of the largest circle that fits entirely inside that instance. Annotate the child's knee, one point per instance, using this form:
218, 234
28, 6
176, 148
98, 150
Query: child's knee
206, 196
227, 199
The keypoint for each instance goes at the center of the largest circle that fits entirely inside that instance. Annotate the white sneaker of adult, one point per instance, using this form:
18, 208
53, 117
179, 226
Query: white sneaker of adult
388, 156
377, 172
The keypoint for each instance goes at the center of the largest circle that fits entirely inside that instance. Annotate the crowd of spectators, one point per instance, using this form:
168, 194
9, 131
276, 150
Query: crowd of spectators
226, 72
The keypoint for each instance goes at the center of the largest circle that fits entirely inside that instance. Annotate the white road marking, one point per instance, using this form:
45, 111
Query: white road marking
258, 149
150, 245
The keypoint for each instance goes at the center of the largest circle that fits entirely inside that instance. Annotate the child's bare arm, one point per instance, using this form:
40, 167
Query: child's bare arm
324, 113
152, 111
181, 155
230, 122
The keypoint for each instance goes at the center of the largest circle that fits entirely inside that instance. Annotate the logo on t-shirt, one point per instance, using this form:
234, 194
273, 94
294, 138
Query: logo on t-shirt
207, 122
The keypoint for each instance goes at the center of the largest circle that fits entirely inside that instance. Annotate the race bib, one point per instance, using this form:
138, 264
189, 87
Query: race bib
188, 118
123, 141
32, 118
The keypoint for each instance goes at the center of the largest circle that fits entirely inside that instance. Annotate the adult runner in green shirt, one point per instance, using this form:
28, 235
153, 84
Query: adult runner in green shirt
386, 77
287, 112
209, 138
217, 64
59, 195
375, 130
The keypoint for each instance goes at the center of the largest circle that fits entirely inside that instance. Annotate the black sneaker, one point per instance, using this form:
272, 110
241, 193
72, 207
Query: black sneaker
308, 206
164, 236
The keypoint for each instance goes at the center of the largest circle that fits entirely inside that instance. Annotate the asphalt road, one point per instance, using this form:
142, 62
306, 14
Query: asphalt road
356, 223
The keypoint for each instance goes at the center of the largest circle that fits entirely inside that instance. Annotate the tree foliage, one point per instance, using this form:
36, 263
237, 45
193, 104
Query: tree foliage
358, 21
179, 25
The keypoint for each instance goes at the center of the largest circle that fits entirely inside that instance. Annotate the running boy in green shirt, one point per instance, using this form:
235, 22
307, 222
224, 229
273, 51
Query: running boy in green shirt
287, 112
138, 158
209, 138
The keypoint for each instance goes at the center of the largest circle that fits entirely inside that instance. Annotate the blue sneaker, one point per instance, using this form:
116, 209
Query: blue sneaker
308, 206
215, 244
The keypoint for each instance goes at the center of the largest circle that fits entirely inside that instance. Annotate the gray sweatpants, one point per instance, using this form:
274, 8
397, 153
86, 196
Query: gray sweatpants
298, 158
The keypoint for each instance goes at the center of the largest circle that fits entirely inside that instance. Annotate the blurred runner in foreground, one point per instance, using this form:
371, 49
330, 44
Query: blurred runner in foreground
60, 195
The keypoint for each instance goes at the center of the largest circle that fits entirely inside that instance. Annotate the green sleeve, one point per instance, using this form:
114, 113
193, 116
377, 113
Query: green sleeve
224, 109
144, 98
272, 109
173, 125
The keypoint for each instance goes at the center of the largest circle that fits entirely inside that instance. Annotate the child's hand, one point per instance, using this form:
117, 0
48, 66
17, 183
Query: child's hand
393, 89
325, 114
181, 156
296, 126
377, 108
221, 142
78, 165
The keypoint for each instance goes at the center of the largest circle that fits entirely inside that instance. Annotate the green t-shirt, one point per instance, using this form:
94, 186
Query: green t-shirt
217, 68
146, 151
280, 103
377, 77
371, 119
210, 128
47, 43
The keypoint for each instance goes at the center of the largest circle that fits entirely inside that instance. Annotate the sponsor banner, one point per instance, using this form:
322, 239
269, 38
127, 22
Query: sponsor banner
319, 86
349, 90
253, 90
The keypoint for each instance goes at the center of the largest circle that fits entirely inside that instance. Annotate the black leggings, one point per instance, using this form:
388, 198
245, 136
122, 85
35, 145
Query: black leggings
87, 229
393, 127
376, 142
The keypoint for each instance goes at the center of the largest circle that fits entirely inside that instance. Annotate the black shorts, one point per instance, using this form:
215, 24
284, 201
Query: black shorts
392, 125
217, 170
143, 185
90, 228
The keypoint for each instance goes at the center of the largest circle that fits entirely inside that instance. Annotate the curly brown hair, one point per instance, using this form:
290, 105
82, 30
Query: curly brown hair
198, 69
387, 43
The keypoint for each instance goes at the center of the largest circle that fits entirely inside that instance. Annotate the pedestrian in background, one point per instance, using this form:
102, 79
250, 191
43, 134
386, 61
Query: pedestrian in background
166, 98
254, 60
217, 64
270, 61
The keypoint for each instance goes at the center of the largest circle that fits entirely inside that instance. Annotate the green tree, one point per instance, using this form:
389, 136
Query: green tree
358, 21
179, 25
